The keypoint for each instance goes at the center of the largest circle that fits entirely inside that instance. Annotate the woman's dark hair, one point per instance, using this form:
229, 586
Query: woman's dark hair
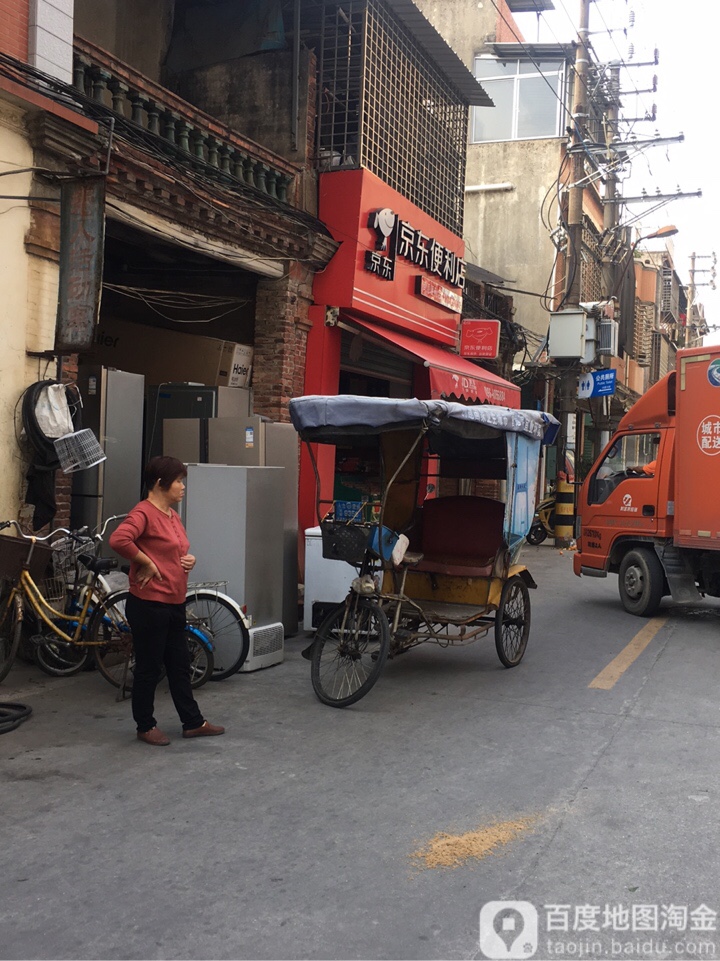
166, 470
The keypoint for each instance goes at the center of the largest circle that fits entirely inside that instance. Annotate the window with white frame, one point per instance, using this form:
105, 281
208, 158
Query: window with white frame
528, 99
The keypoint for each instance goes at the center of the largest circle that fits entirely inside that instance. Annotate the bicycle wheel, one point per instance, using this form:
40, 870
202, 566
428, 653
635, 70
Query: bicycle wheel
219, 618
201, 658
349, 651
110, 631
114, 655
10, 628
60, 658
512, 622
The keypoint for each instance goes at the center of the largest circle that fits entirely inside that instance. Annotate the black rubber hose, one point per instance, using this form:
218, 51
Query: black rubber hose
12, 715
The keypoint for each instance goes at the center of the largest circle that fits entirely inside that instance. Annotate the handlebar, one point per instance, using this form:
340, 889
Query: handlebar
77, 535
34, 537
115, 517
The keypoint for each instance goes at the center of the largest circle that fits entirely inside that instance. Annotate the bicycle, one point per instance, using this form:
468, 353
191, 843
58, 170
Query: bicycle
88, 608
212, 617
24, 560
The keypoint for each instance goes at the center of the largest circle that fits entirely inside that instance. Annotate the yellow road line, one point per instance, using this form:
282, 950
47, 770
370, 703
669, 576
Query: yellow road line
609, 675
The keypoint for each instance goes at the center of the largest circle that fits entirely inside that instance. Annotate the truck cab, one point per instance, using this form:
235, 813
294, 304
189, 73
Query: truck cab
625, 504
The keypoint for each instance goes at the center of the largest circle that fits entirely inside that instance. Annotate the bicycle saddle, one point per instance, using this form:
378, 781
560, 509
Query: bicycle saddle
98, 565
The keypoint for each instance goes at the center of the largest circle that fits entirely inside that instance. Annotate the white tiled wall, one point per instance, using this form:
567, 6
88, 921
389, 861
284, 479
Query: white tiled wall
51, 37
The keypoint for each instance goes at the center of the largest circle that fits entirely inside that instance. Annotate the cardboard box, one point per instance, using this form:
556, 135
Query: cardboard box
168, 356
235, 367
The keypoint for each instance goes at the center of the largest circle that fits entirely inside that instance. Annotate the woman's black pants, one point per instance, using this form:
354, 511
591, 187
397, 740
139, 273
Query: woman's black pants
159, 641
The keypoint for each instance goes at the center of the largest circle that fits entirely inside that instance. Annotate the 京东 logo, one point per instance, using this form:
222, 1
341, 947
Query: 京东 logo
508, 929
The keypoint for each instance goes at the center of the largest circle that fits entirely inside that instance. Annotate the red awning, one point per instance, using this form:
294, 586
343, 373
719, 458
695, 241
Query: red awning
450, 375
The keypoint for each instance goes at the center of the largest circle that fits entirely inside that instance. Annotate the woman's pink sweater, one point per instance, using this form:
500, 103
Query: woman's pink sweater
162, 537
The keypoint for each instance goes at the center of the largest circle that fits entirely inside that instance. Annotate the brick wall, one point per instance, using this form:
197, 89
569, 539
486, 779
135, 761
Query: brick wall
14, 25
281, 328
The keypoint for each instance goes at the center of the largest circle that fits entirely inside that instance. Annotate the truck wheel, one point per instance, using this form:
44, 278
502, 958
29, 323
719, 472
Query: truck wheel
641, 581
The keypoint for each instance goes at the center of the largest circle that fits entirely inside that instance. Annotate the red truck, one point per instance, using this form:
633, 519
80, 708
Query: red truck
649, 510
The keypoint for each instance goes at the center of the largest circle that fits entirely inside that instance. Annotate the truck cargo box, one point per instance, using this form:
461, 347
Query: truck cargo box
697, 449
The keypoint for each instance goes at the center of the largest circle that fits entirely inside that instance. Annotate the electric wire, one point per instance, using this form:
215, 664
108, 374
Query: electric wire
252, 197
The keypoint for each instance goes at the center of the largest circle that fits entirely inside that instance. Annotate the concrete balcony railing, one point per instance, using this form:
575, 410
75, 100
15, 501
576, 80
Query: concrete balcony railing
182, 131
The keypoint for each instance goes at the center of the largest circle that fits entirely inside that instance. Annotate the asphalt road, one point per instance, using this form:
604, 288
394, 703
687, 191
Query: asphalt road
308, 832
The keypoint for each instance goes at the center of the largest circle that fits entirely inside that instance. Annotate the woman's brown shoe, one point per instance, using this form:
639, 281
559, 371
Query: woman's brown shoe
205, 730
154, 736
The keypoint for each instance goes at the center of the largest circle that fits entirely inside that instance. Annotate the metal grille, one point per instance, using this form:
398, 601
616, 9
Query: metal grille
642, 341
592, 281
663, 357
385, 106
671, 294
266, 640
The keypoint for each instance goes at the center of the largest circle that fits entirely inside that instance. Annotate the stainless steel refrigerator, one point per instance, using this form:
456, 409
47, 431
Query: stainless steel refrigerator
256, 442
250, 441
236, 533
195, 402
113, 402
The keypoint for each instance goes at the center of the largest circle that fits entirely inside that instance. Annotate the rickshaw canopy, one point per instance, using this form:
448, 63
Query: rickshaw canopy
333, 419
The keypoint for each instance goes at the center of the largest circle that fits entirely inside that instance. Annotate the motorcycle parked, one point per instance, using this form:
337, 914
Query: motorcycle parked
543, 521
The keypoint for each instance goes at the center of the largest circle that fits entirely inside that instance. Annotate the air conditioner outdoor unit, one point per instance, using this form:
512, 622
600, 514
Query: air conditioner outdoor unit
267, 647
607, 337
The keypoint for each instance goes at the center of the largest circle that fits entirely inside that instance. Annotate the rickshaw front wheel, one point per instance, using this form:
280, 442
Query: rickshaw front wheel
512, 621
349, 651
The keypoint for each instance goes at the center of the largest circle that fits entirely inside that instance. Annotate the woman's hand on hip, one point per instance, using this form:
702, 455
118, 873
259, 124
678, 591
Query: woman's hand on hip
146, 572
187, 562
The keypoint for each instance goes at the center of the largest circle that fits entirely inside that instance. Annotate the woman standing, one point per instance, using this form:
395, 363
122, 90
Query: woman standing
153, 539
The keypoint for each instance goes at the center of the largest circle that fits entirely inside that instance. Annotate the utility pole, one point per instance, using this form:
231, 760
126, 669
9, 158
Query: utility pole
690, 333
576, 193
690, 300
568, 378
610, 224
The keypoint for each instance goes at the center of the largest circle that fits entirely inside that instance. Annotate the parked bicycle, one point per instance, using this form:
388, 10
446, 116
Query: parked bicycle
58, 607
63, 590
212, 618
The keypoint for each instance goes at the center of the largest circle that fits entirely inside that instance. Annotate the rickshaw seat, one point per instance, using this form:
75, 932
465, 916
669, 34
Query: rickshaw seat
460, 535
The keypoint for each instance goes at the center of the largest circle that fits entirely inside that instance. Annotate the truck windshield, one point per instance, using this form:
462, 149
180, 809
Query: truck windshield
631, 456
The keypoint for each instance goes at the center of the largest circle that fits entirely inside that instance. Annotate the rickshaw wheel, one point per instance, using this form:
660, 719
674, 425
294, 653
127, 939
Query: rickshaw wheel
512, 621
349, 651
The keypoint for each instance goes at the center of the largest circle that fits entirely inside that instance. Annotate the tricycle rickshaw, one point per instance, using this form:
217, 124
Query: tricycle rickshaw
430, 568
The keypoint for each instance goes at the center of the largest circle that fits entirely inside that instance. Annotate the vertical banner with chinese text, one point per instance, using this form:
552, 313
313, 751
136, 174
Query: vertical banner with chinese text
82, 242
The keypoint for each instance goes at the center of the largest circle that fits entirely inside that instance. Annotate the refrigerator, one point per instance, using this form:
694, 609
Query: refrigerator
250, 441
194, 402
236, 534
255, 441
112, 407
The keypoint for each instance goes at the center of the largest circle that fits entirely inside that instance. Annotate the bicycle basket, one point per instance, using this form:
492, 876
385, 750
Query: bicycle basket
345, 542
55, 591
66, 550
78, 451
13, 554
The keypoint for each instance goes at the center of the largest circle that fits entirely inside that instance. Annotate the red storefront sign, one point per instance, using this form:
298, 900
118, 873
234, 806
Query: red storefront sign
480, 338
389, 250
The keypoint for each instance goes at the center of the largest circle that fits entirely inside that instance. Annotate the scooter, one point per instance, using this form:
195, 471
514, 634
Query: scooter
543, 521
